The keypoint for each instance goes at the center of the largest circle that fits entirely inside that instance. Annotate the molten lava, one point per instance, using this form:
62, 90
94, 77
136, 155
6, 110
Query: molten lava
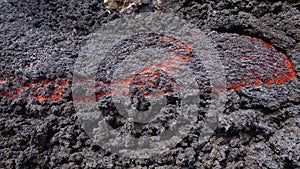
37, 90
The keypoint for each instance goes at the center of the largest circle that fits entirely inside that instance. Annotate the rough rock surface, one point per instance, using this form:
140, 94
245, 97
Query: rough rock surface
132, 6
40, 40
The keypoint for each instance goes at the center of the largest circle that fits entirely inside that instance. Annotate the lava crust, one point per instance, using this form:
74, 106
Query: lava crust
257, 41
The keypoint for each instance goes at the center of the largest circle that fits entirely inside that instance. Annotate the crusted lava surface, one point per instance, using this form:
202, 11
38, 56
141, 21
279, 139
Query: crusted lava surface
258, 43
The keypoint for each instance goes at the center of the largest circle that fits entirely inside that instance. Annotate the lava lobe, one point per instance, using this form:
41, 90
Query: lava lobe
248, 61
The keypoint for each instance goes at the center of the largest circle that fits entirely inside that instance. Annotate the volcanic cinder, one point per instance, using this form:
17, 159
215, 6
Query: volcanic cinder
257, 42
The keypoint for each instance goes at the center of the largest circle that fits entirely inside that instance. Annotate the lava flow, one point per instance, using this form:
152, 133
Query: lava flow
248, 61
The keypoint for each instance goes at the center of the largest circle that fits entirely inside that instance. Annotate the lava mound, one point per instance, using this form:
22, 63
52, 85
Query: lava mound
251, 61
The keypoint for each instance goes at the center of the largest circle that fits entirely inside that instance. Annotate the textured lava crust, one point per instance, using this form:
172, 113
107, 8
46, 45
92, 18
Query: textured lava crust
259, 44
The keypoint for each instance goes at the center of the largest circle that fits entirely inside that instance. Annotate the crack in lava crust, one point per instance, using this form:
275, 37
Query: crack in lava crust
44, 89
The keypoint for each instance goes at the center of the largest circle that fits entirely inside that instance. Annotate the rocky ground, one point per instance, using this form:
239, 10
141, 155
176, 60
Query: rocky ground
40, 41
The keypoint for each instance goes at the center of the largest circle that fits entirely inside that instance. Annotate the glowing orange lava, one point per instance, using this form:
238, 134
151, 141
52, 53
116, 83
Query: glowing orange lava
30, 90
